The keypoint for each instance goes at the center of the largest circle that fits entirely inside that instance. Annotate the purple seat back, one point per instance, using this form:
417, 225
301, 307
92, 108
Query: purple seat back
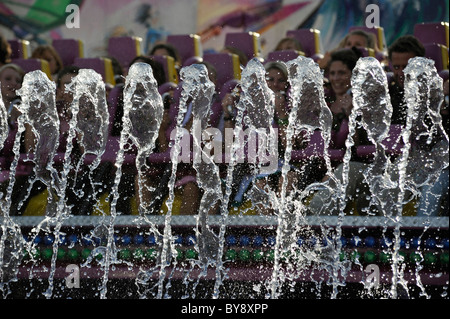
187, 45
247, 42
438, 53
110, 154
68, 50
393, 143
227, 66
168, 64
100, 65
29, 65
166, 87
283, 56
309, 39
315, 148
316, 143
124, 49
435, 32
20, 49
341, 136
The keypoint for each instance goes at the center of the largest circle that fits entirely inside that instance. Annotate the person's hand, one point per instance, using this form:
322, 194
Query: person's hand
228, 103
345, 104
323, 63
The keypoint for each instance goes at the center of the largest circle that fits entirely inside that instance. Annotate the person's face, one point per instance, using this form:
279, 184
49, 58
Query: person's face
340, 77
356, 41
52, 63
161, 51
276, 80
287, 45
399, 61
11, 81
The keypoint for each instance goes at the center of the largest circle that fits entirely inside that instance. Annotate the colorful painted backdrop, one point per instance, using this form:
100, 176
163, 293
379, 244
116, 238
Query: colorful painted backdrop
43, 20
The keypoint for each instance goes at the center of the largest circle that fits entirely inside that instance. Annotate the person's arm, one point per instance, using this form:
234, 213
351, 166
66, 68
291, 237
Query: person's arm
228, 104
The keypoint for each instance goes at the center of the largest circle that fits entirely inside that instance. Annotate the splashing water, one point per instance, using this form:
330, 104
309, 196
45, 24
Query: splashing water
89, 118
143, 110
255, 113
38, 108
3, 122
372, 110
308, 112
88, 124
201, 91
391, 182
208, 177
144, 116
10, 243
92, 111
425, 154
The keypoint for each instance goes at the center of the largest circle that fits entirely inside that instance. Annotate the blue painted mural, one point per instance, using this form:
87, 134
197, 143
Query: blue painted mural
397, 17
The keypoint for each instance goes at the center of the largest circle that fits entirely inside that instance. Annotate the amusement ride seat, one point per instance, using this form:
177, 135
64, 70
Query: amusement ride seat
29, 65
103, 66
124, 49
187, 45
247, 42
20, 49
168, 64
310, 41
227, 66
284, 56
69, 50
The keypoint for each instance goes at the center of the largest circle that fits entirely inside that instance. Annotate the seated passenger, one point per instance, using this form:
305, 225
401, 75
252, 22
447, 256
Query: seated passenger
288, 43
403, 49
166, 49
357, 38
341, 65
186, 184
49, 54
11, 77
277, 82
233, 50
